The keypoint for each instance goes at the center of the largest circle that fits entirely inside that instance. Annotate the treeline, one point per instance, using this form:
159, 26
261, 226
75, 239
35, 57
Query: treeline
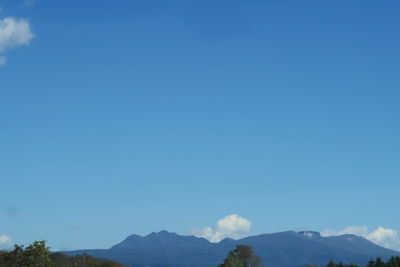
38, 254
244, 256
378, 262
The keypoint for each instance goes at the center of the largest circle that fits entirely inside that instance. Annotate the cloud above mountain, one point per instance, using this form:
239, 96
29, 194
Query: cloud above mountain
13, 32
232, 226
385, 237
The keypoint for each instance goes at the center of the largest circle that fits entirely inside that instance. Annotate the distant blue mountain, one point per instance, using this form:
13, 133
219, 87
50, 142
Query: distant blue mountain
285, 249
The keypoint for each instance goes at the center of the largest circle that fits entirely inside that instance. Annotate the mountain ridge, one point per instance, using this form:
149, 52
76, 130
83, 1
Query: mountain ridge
282, 249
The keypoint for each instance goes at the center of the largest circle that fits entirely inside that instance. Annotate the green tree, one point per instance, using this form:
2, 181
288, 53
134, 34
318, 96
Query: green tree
379, 262
371, 263
242, 256
34, 255
38, 255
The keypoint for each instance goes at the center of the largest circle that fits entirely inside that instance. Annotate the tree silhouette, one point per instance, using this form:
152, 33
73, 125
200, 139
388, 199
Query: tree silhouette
242, 256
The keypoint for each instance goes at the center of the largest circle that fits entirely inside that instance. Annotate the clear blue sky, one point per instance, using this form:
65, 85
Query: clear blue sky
126, 117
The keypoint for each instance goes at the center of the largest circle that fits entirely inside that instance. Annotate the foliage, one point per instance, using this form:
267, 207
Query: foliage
393, 262
62, 260
38, 255
242, 256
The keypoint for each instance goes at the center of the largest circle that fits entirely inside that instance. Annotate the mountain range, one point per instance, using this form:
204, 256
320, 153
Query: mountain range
284, 249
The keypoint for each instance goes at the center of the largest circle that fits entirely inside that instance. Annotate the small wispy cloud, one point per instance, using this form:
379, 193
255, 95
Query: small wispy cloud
5, 240
232, 226
29, 3
385, 237
13, 32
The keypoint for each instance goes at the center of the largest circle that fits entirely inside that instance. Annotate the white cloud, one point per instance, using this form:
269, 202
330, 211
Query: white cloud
232, 226
5, 240
385, 237
352, 230
13, 32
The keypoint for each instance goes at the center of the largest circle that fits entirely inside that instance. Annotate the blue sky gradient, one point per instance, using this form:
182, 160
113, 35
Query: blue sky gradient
126, 117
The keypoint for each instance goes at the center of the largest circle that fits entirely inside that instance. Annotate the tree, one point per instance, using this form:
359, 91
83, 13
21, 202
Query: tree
242, 256
36, 254
371, 263
379, 262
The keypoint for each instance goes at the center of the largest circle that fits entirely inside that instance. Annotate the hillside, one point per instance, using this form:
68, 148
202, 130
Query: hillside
63, 260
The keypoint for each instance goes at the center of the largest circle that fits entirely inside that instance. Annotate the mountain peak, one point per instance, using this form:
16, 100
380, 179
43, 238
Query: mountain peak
162, 233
